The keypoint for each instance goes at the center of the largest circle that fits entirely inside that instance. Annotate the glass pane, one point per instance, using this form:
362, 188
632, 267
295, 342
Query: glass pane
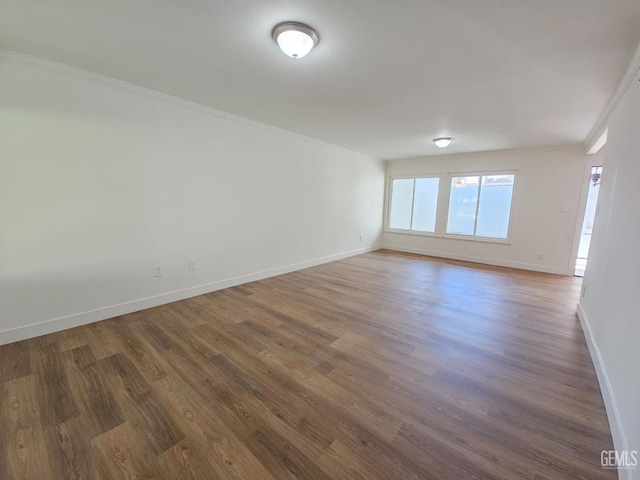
401, 198
462, 205
425, 204
495, 206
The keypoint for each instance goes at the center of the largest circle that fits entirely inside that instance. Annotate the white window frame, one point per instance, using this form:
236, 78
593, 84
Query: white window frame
474, 237
390, 197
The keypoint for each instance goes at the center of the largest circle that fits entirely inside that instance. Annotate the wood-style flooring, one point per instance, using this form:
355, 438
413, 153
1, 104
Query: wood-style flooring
380, 366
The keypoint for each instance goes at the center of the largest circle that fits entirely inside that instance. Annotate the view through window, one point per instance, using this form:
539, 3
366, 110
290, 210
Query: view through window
480, 205
413, 204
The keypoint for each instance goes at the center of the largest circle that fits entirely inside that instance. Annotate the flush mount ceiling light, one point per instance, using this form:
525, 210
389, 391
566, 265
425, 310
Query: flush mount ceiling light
443, 142
295, 39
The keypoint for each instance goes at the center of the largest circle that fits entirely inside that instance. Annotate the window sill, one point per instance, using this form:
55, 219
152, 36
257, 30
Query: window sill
502, 241
412, 232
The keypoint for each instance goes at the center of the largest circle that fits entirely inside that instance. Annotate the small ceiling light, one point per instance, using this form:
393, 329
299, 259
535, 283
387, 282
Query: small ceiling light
443, 142
295, 39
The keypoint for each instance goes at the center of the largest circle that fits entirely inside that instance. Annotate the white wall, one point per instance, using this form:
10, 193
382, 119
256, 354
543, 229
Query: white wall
100, 181
546, 180
609, 307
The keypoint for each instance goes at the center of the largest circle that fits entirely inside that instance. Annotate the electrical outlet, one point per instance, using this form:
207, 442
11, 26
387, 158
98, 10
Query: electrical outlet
539, 256
584, 290
361, 236
191, 264
157, 271
566, 209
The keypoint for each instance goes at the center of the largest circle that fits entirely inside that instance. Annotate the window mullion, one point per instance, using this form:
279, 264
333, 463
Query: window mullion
413, 201
475, 218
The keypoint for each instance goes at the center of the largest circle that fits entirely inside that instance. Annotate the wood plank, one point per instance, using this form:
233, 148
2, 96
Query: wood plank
100, 411
15, 361
57, 404
23, 445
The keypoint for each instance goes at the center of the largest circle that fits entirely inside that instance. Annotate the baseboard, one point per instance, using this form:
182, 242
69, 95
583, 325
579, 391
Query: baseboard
486, 261
615, 423
78, 319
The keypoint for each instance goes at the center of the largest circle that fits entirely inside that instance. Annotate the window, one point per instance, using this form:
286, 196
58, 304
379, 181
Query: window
413, 204
480, 205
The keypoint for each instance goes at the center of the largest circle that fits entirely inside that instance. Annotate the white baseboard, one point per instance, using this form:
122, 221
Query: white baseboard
486, 261
619, 439
83, 318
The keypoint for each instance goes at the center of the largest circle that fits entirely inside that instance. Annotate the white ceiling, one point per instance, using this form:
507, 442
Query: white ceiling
386, 78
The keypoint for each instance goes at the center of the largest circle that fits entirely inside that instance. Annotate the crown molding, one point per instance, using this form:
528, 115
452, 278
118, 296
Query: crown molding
571, 147
597, 135
64, 69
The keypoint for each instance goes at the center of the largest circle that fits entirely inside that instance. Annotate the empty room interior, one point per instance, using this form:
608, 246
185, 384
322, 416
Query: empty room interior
266, 240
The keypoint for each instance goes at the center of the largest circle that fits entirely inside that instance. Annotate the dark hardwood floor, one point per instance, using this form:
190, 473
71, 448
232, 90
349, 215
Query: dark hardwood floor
380, 366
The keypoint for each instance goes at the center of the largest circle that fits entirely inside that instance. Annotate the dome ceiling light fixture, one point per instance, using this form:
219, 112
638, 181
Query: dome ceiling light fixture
295, 39
443, 142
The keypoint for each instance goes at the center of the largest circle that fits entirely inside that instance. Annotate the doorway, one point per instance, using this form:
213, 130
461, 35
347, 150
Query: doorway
587, 224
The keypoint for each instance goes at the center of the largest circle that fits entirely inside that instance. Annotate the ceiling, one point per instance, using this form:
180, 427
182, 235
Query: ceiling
386, 78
